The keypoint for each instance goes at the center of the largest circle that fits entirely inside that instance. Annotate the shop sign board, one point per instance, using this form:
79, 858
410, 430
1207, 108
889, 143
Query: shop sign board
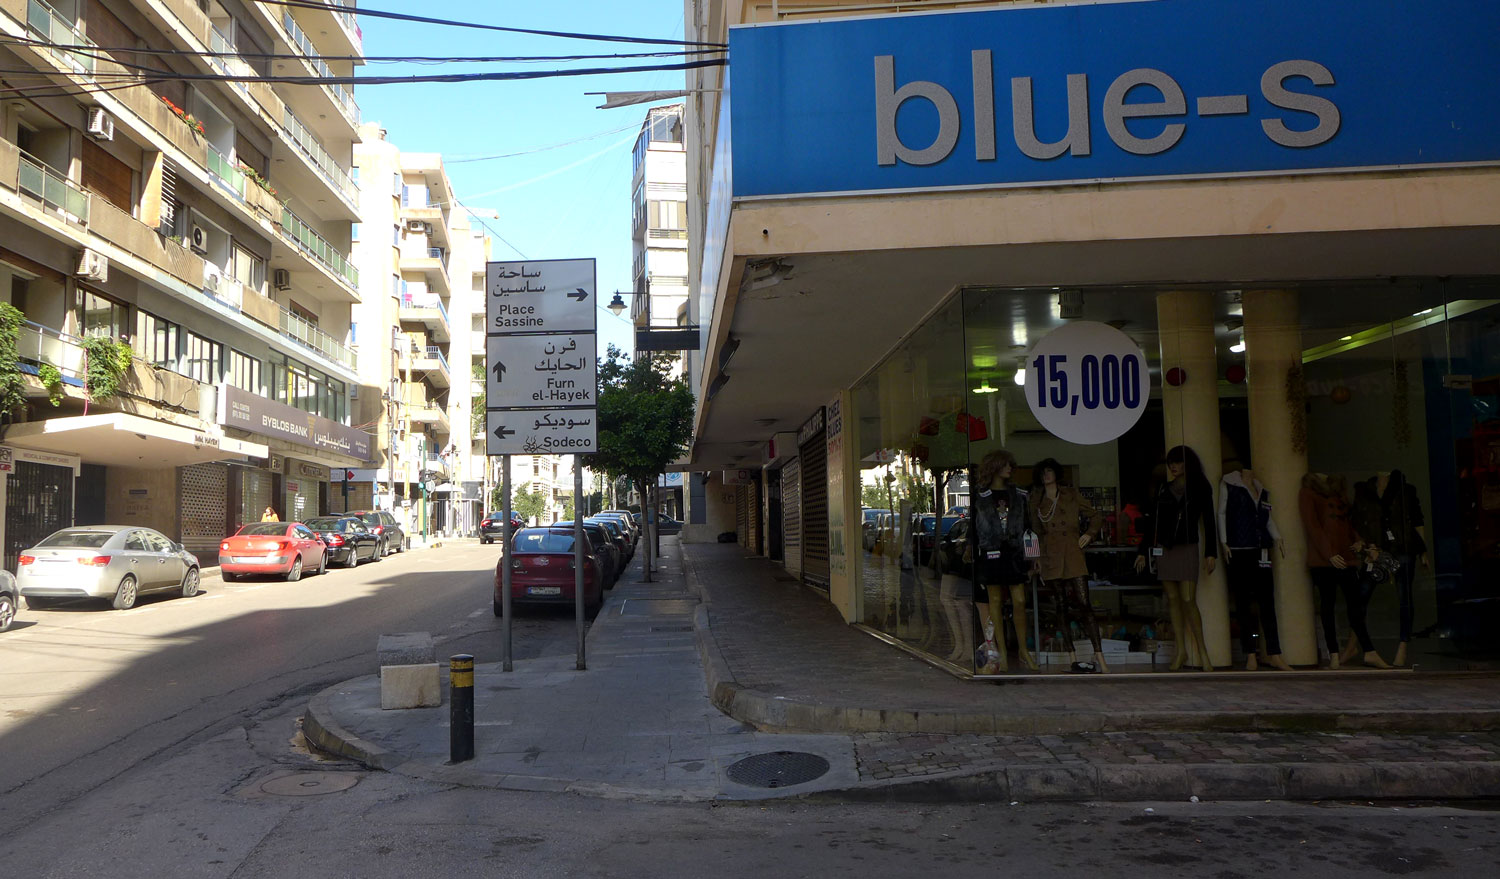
258, 415
548, 370
1029, 94
1087, 382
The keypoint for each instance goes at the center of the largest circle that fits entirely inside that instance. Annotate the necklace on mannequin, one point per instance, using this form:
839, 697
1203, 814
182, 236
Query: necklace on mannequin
1047, 516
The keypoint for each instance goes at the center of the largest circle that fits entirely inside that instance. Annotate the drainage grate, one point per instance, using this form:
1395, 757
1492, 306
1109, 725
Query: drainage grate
671, 628
777, 769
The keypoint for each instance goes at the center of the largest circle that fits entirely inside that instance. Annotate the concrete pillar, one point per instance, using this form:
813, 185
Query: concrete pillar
1190, 412
845, 551
1273, 344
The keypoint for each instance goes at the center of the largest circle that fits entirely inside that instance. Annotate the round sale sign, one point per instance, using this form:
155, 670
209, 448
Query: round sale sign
1087, 382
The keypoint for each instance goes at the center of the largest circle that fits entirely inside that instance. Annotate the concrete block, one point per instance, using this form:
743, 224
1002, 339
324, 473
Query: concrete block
937, 722
1119, 782
1485, 779
898, 720
410, 686
1227, 782
1433, 780
406, 648
1065, 783
1321, 781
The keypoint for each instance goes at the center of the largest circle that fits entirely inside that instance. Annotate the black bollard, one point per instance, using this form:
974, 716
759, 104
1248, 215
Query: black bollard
461, 708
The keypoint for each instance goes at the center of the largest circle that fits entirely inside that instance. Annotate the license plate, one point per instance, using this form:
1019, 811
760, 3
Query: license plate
544, 590
253, 560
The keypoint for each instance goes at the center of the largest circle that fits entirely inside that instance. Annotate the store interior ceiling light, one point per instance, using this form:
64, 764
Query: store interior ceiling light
1020, 378
984, 387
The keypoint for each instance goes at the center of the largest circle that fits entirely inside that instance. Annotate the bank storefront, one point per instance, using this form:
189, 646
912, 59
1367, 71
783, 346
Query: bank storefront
1154, 354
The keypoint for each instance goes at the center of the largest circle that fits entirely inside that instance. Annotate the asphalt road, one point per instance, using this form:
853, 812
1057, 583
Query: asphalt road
87, 692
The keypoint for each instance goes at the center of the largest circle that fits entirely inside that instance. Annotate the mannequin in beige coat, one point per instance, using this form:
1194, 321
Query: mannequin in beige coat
1066, 523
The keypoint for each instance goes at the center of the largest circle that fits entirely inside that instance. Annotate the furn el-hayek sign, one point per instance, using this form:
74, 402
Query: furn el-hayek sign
1086, 92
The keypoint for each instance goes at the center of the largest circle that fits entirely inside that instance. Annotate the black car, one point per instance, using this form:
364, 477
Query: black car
604, 545
925, 536
386, 529
620, 537
348, 538
492, 526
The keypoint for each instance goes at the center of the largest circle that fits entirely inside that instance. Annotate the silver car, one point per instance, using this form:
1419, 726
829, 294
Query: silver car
114, 562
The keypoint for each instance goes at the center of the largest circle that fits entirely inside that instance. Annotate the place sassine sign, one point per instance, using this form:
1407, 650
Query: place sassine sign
551, 370
541, 432
540, 296
1087, 382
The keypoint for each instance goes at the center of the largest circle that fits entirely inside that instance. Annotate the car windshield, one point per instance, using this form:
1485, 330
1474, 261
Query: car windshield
370, 518
277, 528
544, 541
495, 515
89, 539
329, 524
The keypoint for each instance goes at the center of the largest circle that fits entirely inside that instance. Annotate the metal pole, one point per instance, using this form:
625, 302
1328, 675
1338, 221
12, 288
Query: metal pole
578, 560
505, 562
460, 708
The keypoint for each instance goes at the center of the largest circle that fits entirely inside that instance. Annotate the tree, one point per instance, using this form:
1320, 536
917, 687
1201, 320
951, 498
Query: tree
645, 422
528, 504
477, 409
567, 504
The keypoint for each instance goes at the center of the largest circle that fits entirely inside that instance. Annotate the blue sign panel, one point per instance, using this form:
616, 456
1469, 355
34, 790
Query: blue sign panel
1131, 89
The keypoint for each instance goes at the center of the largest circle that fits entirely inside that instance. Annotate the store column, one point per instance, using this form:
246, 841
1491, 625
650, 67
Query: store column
1190, 411
1278, 454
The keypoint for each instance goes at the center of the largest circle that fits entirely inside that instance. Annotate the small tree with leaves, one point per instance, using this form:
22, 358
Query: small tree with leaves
645, 422
529, 505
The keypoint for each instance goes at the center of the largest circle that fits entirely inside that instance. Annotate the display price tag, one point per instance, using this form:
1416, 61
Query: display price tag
1087, 382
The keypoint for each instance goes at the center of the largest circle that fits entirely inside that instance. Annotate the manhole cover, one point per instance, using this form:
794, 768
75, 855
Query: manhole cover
777, 769
309, 784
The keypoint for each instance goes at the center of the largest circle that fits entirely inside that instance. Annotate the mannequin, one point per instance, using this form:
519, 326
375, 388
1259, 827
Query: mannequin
1388, 514
1183, 503
1249, 535
999, 513
1331, 562
1055, 511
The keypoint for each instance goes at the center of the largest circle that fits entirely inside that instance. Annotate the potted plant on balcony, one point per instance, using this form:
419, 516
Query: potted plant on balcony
51, 378
107, 362
258, 180
187, 118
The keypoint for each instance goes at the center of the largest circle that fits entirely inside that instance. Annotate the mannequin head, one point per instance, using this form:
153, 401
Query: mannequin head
1183, 461
995, 468
1046, 472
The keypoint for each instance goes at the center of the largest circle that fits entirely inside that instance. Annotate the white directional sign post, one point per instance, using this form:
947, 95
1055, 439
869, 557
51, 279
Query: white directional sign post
541, 384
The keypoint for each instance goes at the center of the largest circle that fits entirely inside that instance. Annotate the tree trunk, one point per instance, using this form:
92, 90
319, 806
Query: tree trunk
646, 524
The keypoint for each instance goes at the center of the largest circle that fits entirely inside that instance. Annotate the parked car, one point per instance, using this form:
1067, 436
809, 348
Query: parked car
867, 530
383, 524
118, 563
10, 599
492, 526
286, 549
667, 525
348, 539
925, 536
541, 561
628, 519
606, 546
619, 534
950, 549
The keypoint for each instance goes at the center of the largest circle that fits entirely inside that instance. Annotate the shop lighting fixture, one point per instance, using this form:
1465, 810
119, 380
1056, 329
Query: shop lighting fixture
1422, 312
1020, 378
1239, 346
984, 387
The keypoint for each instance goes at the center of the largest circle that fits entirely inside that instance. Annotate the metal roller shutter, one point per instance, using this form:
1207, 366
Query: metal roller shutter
742, 514
815, 511
301, 500
204, 490
791, 515
255, 495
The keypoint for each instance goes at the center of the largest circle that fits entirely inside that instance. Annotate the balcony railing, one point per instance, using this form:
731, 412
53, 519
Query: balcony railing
303, 43
433, 352
36, 344
39, 180
309, 145
680, 234
438, 254
223, 168
431, 302
295, 327
45, 22
318, 248
226, 60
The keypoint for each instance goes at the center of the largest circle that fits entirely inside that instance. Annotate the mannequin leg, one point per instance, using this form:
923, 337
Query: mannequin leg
1405, 577
1357, 596
1018, 618
1194, 621
1265, 593
996, 608
1174, 612
953, 617
1328, 597
1059, 590
1076, 593
1240, 575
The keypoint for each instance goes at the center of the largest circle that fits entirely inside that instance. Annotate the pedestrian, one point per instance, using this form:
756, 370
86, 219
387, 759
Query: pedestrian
269, 516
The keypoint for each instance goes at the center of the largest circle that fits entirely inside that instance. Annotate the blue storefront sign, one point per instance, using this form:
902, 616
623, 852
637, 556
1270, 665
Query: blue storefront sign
1088, 92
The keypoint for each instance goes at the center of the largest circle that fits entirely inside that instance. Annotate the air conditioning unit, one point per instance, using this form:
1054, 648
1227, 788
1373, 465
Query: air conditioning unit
416, 226
427, 227
93, 266
281, 279
100, 126
198, 239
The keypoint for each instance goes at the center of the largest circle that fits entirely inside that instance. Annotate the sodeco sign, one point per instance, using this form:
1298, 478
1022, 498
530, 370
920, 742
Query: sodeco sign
1058, 93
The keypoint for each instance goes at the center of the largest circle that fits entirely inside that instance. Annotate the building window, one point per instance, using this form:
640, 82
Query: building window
666, 128
156, 340
203, 359
102, 316
354, 232
299, 385
668, 219
244, 371
247, 268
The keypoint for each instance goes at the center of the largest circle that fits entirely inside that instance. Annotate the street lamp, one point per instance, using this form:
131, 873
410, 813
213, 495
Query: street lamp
616, 305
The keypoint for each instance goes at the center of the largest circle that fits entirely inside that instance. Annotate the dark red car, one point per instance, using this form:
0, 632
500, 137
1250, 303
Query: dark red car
542, 569
285, 549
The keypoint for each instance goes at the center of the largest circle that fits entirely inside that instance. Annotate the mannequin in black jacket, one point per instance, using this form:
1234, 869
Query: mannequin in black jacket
995, 548
1183, 503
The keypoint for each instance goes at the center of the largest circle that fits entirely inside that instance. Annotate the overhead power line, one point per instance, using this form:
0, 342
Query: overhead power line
422, 19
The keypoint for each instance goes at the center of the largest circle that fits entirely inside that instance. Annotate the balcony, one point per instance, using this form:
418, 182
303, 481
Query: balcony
317, 247
52, 188
308, 334
227, 172
431, 313
431, 262
419, 412
431, 362
46, 23
341, 96
322, 163
36, 345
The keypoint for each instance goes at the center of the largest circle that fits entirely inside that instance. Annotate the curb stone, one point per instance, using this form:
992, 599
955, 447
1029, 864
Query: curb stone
319, 727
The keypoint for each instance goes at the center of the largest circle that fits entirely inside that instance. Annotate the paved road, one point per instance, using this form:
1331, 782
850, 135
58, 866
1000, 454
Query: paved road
86, 692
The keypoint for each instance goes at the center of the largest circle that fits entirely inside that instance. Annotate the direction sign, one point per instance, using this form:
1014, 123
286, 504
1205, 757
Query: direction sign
541, 432
540, 296
552, 370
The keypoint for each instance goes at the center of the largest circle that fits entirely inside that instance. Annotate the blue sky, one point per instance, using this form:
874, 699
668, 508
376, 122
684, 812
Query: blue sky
573, 201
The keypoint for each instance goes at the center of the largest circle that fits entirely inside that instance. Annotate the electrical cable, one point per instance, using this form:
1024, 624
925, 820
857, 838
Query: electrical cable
422, 19
543, 149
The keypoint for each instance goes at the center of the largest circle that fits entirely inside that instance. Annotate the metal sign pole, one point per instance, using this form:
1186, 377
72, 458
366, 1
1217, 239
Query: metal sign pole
505, 563
578, 559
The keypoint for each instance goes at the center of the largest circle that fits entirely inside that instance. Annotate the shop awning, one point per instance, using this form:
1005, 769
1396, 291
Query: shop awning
117, 439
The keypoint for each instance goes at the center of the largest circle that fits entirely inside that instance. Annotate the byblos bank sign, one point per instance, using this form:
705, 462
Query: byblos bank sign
1087, 92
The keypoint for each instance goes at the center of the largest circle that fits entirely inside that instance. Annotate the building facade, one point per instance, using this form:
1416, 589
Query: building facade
937, 242
658, 223
200, 227
418, 257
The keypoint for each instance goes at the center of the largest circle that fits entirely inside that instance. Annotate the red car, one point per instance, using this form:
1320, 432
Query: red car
542, 570
282, 548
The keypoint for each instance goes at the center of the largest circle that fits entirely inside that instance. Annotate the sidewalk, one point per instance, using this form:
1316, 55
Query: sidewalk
791, 676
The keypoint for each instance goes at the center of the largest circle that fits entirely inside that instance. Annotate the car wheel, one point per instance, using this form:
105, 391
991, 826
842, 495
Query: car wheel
499, 609
190, 583
126, 594
353, 560
295, 573
228, 577
40, 603
7, 610
484, 541
323, 562
380, 552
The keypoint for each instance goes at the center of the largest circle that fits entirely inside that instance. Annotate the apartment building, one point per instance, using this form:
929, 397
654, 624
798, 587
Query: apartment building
658, 224
417, 256
202, 224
